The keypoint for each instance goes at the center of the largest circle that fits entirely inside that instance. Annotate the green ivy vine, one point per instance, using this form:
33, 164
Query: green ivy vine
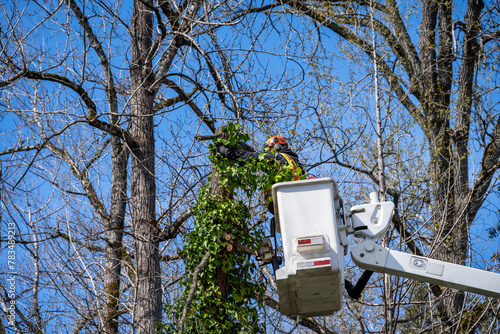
217, 216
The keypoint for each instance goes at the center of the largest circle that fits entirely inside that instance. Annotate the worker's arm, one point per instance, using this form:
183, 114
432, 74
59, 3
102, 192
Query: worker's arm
235, 154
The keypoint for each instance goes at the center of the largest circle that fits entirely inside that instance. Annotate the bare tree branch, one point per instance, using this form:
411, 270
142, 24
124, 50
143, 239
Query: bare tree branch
192, 291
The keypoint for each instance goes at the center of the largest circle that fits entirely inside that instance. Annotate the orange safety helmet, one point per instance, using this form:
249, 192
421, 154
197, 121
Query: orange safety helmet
276, 142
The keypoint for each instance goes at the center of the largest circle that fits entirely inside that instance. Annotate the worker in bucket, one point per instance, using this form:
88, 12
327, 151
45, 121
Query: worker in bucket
286, 158
289, 168
278, 152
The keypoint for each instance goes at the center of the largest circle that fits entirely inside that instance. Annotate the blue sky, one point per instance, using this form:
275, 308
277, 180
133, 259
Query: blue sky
177, 127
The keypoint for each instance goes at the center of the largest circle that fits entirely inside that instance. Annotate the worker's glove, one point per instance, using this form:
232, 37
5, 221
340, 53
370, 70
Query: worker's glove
223, 150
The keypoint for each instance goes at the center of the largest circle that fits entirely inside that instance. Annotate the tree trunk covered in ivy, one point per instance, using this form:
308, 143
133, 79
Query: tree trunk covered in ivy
216, 189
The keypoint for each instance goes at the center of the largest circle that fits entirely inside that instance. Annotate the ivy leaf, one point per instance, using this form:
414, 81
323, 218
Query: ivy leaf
237, 297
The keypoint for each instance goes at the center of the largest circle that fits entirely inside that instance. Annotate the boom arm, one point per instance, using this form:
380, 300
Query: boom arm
370, 221
372, 256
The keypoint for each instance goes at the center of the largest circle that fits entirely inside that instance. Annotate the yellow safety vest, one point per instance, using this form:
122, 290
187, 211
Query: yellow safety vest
268, 192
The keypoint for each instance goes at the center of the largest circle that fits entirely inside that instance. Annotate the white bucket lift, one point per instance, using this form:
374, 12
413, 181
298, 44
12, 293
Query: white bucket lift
311, 281
314, 230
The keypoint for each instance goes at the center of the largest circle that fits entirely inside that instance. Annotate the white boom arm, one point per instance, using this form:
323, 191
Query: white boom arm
374, 257
370, 221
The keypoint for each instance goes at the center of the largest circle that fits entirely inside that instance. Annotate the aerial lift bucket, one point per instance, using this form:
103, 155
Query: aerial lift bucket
307, 216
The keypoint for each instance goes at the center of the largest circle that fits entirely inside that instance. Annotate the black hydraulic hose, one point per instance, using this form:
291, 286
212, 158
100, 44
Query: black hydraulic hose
355, 291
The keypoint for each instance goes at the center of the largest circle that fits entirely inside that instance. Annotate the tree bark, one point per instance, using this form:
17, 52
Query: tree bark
143, 188
114, 234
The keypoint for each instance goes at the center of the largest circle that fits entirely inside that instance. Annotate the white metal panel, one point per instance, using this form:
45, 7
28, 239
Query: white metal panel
371, 220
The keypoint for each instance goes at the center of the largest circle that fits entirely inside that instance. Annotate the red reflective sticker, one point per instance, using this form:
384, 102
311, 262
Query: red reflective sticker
304, 241
321, 263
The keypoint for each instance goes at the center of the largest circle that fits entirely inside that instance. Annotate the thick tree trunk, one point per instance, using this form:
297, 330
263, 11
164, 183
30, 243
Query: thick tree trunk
448, 147
143, 189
